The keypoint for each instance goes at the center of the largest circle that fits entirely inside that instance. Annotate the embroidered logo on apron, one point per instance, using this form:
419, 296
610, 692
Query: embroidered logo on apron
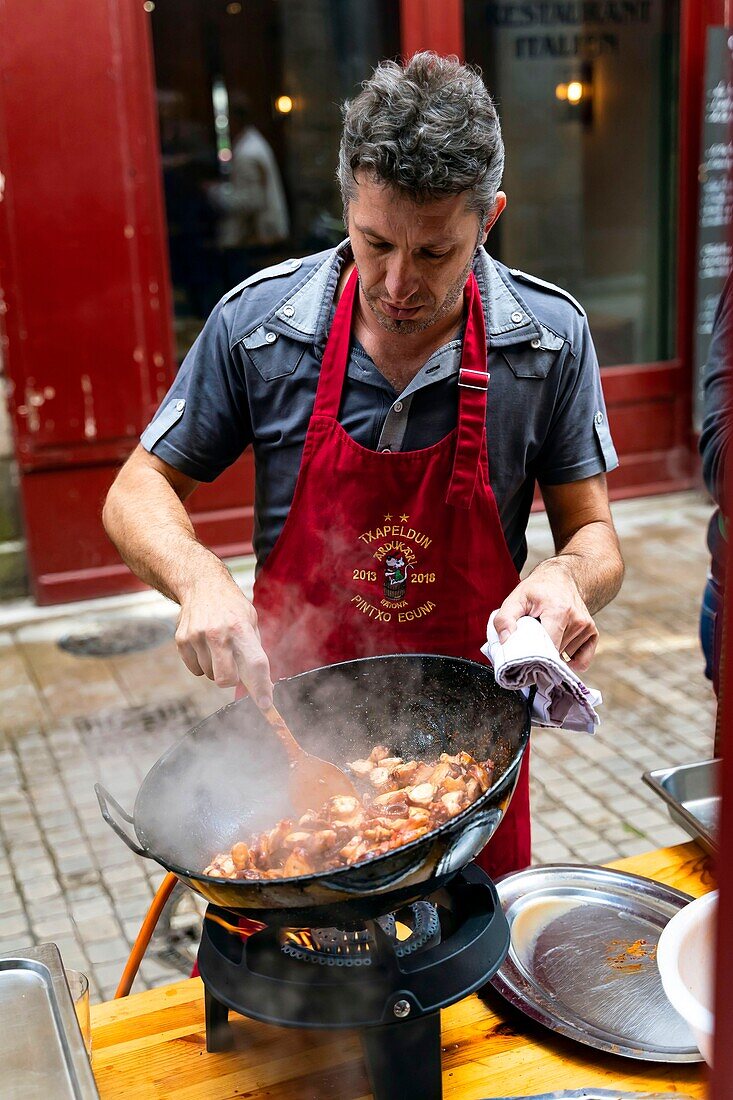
399, 586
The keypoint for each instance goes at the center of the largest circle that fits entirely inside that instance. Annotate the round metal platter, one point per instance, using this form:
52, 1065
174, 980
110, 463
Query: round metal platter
582, 960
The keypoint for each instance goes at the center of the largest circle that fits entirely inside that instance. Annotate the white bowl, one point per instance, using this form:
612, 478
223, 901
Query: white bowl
686, 958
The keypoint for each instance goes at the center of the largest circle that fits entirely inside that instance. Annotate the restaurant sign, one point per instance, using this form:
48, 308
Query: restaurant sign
547, 30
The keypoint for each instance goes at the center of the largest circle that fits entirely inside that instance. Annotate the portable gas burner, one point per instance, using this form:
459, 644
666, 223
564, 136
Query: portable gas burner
388, 977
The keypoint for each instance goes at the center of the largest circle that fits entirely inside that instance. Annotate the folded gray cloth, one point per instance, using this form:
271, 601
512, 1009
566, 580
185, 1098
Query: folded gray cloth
528, 657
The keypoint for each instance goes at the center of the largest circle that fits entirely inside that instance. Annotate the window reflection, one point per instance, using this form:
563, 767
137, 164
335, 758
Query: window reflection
587, 99
248, 99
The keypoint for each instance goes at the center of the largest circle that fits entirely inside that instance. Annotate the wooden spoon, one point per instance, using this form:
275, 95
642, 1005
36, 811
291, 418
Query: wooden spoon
312, 780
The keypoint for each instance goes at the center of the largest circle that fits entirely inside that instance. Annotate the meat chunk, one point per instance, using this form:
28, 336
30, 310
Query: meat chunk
361, 768
404, 774
240, 856
297, 864
422, 795
380, 778
402, 800
342, 805
453, 802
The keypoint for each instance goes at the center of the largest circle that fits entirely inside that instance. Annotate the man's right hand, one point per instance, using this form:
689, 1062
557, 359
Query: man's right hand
217, 633
217, 636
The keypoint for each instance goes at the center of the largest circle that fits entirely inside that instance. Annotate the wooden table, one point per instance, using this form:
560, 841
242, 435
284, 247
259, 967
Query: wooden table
151, 1046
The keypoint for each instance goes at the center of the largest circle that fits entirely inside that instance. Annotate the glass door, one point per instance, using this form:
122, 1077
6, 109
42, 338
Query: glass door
248, 103
587, 95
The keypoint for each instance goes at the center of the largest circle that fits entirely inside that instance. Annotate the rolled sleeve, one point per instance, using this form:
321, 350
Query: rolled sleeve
203, 424
578, 443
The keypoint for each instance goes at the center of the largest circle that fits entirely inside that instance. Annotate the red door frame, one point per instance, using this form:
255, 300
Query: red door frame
83, 273
85, 291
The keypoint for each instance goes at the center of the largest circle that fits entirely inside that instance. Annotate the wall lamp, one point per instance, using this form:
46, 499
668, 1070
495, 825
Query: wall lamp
575, 96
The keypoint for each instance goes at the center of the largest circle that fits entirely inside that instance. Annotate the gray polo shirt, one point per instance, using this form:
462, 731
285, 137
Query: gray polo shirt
251, 377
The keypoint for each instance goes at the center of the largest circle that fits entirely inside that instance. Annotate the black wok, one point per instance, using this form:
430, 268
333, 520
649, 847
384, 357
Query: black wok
227, 778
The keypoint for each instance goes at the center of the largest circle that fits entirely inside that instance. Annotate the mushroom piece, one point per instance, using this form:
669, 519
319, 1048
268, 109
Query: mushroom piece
240, 856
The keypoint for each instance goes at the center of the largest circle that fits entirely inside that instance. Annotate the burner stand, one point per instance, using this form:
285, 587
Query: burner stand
390, 989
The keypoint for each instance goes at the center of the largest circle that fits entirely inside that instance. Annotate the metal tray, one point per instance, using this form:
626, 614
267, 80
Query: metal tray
598, 1094
43, 1053
691, 794
582, 959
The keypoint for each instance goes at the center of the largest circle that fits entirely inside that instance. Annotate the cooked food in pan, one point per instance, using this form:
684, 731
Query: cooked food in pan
401, 801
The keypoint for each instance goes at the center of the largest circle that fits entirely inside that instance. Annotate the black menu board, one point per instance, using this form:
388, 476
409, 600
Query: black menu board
715, 204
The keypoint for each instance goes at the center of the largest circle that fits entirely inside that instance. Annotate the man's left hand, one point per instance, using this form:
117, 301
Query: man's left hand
551, 595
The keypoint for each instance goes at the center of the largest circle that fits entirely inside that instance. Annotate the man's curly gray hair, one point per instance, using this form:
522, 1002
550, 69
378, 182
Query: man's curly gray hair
428, 128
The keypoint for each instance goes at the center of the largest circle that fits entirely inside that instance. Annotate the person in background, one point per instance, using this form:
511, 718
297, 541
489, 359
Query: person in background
714, 447
252, 209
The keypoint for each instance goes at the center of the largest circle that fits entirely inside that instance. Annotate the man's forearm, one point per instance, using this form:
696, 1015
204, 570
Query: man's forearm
216, 632
154, 535
593, 559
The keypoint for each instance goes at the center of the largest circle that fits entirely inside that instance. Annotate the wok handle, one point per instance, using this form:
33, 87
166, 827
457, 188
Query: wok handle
105, 799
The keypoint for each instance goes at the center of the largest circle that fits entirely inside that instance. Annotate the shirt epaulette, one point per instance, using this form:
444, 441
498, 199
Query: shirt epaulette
534, 281
287, 267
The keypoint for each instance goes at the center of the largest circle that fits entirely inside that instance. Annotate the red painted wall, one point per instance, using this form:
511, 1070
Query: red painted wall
87, 338
83, 267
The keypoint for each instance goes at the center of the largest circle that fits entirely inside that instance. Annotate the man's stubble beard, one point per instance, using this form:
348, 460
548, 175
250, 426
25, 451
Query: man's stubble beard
411, 328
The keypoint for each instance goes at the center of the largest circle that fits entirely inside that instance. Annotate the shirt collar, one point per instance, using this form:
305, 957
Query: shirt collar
307, 313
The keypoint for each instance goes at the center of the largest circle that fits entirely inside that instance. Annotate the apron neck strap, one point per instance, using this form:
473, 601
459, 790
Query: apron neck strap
473, 384
336, 356
473, 381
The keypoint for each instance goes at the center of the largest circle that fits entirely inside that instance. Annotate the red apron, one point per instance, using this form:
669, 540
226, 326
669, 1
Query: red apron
393, 552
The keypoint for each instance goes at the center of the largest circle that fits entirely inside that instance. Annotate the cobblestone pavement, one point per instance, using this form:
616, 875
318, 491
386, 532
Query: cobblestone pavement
67, 721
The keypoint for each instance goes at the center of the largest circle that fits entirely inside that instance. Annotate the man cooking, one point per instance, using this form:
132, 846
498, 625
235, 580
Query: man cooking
360, 376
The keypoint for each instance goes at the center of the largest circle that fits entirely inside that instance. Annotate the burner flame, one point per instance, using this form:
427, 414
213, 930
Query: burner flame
329, 941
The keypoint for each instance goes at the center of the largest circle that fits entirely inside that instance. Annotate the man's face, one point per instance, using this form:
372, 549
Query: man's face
413, 259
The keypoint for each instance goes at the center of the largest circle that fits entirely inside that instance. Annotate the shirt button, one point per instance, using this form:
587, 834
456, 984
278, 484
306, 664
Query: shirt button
288, 311
271, 337
517, 317
398, 406
535, 344
598, 418
180, 405
386, 450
